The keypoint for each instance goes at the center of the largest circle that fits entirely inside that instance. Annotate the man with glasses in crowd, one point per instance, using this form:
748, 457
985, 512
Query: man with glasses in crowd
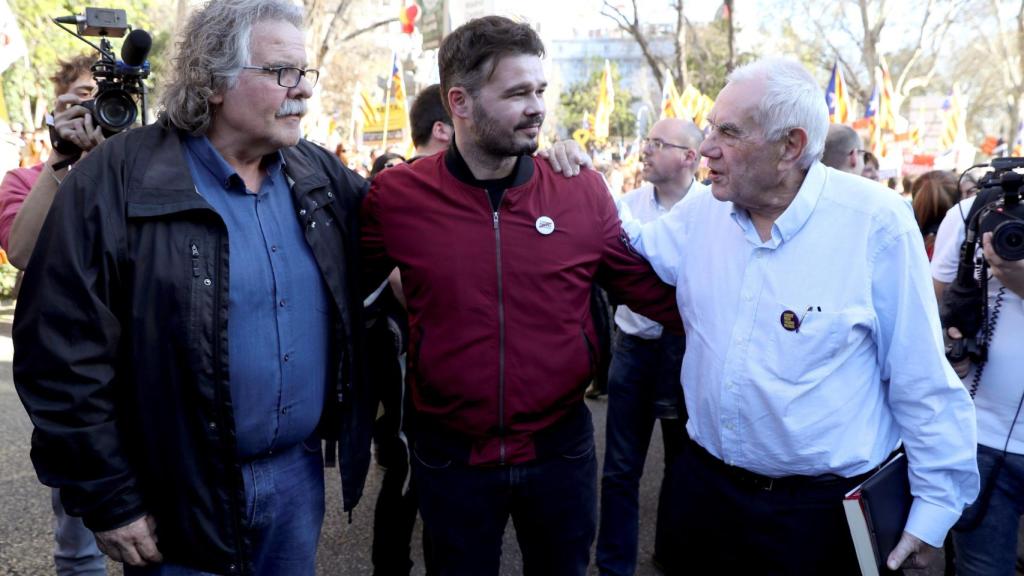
200, 331
643, 381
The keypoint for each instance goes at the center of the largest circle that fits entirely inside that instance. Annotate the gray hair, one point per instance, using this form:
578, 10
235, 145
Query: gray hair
840, 141
792, 99
214, 45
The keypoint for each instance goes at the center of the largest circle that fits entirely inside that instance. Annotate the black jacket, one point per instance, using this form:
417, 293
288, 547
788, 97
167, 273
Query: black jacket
121, 344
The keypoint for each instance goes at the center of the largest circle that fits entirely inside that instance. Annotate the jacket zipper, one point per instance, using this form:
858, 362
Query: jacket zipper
501, 346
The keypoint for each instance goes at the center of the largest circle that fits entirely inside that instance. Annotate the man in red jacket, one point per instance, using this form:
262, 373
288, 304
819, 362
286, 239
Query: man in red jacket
498, 254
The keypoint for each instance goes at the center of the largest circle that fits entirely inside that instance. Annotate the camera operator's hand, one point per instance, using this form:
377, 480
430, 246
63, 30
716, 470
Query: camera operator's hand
1010, 273
74, 123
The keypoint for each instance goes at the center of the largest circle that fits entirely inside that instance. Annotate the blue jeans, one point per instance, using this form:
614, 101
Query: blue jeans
986, 536
552, 502
643, 372
284, 509
75, 552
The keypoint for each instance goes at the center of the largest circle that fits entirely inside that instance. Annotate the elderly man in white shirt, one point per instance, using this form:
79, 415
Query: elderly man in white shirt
813, 344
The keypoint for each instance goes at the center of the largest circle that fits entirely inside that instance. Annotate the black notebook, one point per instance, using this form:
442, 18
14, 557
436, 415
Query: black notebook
877, 511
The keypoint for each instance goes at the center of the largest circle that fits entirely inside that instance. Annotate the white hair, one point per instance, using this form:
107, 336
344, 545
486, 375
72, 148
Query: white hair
792, 99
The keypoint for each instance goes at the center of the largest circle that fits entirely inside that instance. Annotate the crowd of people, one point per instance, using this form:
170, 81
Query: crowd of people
214, 309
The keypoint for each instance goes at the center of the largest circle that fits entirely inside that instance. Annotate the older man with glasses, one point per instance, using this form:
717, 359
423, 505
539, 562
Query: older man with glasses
200, 330
643, 381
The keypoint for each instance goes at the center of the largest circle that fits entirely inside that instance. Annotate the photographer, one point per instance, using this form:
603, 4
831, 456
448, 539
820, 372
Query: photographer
25, 198
26, 193
986, 536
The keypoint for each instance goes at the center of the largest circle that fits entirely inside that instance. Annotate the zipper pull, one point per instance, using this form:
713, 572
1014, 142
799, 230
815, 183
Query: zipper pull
495, 219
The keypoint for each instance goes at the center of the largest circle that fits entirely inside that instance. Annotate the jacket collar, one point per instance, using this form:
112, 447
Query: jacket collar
456, 164
166, 177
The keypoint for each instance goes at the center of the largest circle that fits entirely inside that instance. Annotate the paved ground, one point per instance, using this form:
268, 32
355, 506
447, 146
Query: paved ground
26, 535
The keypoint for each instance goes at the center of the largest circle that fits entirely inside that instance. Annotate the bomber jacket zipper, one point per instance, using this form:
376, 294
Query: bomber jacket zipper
501, 345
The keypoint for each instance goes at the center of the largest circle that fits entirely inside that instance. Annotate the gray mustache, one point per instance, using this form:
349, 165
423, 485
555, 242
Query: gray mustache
292, 107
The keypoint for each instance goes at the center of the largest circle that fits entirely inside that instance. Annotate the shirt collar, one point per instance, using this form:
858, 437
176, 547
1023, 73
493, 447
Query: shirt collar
652, 195
796, 214
202, 149
799, 210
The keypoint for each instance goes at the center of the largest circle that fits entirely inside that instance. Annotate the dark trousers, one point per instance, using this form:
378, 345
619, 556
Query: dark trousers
727, 526
644, 376
552, 502
394, 517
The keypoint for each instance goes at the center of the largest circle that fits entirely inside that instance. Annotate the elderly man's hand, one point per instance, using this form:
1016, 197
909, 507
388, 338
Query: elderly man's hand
74, 123
134, 544
912, 552
1010, 273
566, 157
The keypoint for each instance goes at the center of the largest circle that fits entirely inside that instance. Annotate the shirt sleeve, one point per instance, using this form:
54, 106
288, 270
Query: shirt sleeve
13, 190
627, 277
946, 257
657, 241
932, 409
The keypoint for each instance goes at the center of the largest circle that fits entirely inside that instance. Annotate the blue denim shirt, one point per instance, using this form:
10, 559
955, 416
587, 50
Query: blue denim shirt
278, 310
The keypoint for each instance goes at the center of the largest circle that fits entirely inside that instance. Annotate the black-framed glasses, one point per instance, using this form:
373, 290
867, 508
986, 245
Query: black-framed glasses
289, 76
659, 144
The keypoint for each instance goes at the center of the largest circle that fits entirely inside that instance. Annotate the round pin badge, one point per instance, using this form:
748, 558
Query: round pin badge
545, 225
790, 321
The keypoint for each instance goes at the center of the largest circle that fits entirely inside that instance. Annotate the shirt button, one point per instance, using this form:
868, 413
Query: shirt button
284, 410
287, 357
273, 248
282, 303
738, 340
748, 297
207, 282
212, 426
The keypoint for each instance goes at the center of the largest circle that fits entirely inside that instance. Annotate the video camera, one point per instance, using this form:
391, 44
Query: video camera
997, 209
118, 82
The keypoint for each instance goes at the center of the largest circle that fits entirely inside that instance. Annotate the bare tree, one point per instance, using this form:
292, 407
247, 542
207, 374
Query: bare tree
1005, 49
631, 25
873, 16
329, 26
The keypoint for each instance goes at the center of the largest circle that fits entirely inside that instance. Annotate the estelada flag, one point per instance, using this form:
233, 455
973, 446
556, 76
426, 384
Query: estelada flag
835, 96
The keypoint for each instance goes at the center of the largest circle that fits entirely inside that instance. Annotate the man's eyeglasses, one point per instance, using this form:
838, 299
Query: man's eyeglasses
658, 144
288, 76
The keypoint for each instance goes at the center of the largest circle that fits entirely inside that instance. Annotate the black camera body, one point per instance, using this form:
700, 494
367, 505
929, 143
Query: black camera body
997, 209
1004, 217
119, 82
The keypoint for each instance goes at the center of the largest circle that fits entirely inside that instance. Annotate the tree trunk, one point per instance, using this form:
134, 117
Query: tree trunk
732, 36
681, 73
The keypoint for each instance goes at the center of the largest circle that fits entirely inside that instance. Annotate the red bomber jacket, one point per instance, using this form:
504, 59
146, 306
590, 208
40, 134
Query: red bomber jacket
502, 344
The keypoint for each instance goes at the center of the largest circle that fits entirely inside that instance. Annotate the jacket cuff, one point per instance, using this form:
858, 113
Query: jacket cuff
107, 520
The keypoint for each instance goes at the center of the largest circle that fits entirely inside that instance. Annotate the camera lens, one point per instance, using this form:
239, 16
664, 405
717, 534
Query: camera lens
1008, 240
115, 110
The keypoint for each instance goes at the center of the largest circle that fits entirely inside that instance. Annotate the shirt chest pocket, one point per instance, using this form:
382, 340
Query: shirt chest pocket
806, 346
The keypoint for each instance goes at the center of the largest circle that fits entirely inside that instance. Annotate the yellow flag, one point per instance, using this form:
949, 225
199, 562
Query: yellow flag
605, 104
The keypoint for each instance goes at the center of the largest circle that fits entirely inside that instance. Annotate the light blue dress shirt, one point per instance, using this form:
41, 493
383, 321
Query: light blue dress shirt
643, 205
864, 370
